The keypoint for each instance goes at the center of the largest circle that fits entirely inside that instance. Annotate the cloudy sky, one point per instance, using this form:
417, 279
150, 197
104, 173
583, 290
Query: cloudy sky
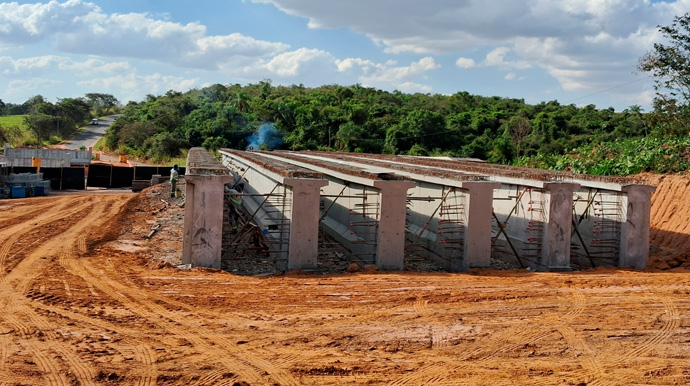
573, 51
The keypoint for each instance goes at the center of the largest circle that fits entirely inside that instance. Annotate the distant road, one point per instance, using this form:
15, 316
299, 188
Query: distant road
91, 134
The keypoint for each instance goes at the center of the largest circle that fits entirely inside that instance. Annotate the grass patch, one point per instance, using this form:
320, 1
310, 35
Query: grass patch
14, 131
13, 121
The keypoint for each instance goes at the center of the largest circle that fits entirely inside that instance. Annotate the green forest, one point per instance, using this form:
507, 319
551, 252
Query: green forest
583, 139
360, 119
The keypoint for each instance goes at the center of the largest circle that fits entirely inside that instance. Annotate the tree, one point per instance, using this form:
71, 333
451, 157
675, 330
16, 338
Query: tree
519, 129
669, 64
101, 103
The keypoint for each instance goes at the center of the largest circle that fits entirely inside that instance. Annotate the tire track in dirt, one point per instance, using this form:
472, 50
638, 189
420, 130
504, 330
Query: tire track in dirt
435, 373
25, 216
36, 230
440, 337
11, 297
139, 350
19, 306
592, 371
519, 335
258, 354
19, 312
5, 342
217, 377
84, 374
5, 251
231, 355
668, 329
49, 367
146, 357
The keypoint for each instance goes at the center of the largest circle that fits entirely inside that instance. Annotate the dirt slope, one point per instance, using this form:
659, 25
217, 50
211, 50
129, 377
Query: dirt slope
83, 305
670, 221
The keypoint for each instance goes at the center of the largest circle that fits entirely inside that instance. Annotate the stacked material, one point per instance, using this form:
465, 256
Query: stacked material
27, 185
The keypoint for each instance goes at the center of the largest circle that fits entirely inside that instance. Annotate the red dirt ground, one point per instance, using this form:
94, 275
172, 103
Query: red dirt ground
87, 299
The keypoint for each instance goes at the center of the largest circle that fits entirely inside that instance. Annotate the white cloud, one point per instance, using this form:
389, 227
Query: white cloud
291, 64
584, 44
30, 23
135, 87
82, 28
96, 66
38, 65
389, 75
29, 67
33, 85
466, 63
497, 58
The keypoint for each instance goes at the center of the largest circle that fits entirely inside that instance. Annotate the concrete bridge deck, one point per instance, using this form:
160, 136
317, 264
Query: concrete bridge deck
458, 213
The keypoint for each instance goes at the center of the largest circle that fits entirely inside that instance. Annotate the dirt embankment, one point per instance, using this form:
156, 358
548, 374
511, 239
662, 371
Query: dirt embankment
670, 221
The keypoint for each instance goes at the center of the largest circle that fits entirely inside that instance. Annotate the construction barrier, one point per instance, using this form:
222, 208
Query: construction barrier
99, 175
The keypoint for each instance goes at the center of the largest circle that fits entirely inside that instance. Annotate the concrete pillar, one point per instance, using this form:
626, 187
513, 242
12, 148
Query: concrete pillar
304, 222
634, 249
477, 253
390, 249
189, 215
203, 220
559, 226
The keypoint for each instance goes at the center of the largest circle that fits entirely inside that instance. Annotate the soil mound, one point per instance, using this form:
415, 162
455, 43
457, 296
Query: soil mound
669, 220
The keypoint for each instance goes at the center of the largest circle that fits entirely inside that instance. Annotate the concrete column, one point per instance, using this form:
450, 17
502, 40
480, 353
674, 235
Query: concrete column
203, 225
477, 253
304, 224
634, 249
189, 215
390, 249
559, 227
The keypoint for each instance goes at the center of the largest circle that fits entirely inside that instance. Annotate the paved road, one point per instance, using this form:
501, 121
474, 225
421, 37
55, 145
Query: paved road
90, 135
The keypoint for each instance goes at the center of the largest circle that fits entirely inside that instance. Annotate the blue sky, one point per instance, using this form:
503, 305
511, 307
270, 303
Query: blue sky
574, 51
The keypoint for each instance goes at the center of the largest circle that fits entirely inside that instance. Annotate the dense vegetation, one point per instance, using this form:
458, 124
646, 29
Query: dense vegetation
363, 119
624, 157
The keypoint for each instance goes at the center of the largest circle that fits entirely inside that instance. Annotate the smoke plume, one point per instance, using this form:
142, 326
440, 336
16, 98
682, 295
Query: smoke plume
266, 137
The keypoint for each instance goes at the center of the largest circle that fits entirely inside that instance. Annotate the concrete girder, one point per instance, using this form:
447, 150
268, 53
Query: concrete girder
499, 173
472, 249
288, 217
547, 217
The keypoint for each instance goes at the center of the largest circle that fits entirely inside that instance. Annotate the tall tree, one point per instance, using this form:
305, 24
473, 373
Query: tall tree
669, 64
101, 103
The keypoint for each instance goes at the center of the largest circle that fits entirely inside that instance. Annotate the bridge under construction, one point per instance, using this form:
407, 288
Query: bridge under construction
383, 209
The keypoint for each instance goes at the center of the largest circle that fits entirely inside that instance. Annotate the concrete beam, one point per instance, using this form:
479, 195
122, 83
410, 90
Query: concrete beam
558, 230
390, 249
304, 222
634, 249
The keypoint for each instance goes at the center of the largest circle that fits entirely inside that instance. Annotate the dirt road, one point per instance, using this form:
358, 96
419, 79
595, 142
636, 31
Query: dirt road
82, 305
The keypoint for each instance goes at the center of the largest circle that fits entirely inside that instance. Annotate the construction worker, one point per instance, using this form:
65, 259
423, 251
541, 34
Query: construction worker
174, 176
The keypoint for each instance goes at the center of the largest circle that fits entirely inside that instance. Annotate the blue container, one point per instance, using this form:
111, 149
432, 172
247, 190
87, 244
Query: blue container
39, 191
18, 192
